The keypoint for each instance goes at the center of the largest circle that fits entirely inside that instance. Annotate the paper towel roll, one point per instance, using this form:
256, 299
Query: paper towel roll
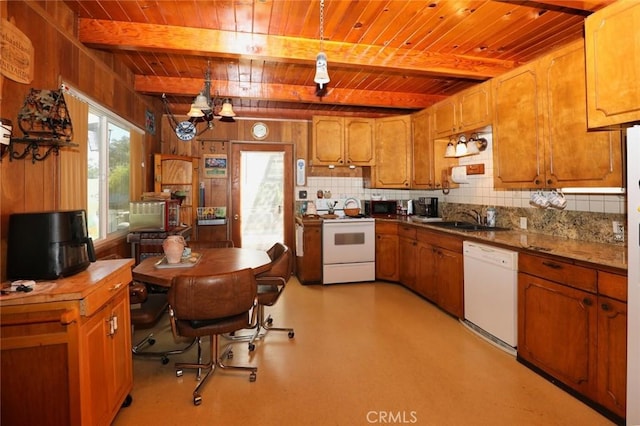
459, 174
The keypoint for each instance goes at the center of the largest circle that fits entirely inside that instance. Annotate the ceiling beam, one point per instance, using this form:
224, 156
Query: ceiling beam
134, 36
283, 92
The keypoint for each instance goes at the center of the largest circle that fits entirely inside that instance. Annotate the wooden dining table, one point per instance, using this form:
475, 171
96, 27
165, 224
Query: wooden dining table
154, 270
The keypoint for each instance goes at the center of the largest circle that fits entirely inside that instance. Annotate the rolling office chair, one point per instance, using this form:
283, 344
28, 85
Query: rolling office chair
146, 310
271, 284
209, 306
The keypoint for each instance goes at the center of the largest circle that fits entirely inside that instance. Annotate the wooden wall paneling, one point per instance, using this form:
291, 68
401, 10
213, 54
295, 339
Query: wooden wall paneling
59, 56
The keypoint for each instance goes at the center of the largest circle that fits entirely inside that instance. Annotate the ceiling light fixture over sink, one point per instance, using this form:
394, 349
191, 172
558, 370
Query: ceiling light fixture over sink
464, 147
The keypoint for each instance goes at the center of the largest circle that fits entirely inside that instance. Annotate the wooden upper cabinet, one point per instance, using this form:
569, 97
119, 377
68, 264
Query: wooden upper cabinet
540, 137
359, 141
575, 157
328, 141
341, 141
613, 79
179, 173
517, 129
466, 111
393, 153
422, 168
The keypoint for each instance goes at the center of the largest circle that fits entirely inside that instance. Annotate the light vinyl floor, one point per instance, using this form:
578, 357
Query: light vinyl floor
369, 353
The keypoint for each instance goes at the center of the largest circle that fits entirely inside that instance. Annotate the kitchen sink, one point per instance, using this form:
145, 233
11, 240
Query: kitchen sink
458, 225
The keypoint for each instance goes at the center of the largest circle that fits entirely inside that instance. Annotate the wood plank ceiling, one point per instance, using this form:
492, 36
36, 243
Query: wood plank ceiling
385, 57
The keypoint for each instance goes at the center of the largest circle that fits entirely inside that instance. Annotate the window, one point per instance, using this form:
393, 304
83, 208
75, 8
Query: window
108, 175
98, 175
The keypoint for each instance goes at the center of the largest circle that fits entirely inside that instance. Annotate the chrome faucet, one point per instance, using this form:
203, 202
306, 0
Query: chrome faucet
477, 217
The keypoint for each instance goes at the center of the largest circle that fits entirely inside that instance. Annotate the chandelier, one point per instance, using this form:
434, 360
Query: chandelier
203, 110
322, 75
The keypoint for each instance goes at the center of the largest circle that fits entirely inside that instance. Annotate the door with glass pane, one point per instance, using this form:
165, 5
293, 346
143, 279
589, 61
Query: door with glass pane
262, 195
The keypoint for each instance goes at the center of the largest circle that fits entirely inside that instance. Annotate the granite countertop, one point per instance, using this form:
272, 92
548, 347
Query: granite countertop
600, 254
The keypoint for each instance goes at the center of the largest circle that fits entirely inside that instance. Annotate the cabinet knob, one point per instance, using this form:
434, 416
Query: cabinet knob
587, 302
605, 307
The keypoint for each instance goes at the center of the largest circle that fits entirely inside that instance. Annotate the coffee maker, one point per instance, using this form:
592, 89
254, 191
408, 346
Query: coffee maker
426, 206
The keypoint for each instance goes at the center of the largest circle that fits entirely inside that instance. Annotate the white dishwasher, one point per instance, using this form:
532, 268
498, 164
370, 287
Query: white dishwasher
491, 292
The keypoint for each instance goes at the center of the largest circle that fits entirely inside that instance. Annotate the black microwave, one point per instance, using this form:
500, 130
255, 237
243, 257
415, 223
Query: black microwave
380, 208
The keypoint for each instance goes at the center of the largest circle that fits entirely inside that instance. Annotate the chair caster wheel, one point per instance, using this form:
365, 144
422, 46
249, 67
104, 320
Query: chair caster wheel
151, 341
178, 373
252, 347
127, 401
197, 400
165, 360
269, 321
291, 334
252, 377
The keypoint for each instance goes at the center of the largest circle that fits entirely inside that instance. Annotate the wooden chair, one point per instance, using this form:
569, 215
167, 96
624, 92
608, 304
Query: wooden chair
209, 306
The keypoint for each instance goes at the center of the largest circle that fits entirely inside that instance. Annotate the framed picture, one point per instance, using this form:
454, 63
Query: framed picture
215, 165
150, 122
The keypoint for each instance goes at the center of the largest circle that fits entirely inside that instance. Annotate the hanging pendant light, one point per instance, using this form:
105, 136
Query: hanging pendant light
322, 74
226, 113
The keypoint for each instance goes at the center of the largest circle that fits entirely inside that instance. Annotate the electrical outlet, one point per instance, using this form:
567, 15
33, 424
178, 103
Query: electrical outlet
523, 223
618, 231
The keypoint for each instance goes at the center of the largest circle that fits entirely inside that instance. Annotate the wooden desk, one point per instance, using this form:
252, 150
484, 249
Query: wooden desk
213, 261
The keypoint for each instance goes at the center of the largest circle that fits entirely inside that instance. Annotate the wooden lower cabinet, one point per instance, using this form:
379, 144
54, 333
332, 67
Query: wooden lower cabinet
570, 328
440, 271
448, 276
408, 255
309, 262
557, 331
387, 251
612, 355
66, 355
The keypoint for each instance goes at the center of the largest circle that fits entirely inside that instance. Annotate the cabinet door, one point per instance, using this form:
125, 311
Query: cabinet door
425, 275
359, 141
445, 121
575, 157
613, 86
422, 143
387, 257
448, 278
557, 331
179, 173
310, 264
475, 109
518, 144
408, 256
106, 365
612, 355
95, 365
327, 145
119, 366
393, 153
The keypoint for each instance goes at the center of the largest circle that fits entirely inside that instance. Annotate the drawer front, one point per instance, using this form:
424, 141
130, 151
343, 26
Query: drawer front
407, 231
558, 271
106, 289
612, 285
386, 228
440, 239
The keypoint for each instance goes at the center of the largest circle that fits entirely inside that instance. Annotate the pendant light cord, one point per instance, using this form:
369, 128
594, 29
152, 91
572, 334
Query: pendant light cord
321, 24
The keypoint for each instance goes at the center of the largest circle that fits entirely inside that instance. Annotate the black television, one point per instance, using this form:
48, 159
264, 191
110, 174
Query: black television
48, 245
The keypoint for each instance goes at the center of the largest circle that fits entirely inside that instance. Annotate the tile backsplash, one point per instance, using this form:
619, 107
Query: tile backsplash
586, 217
